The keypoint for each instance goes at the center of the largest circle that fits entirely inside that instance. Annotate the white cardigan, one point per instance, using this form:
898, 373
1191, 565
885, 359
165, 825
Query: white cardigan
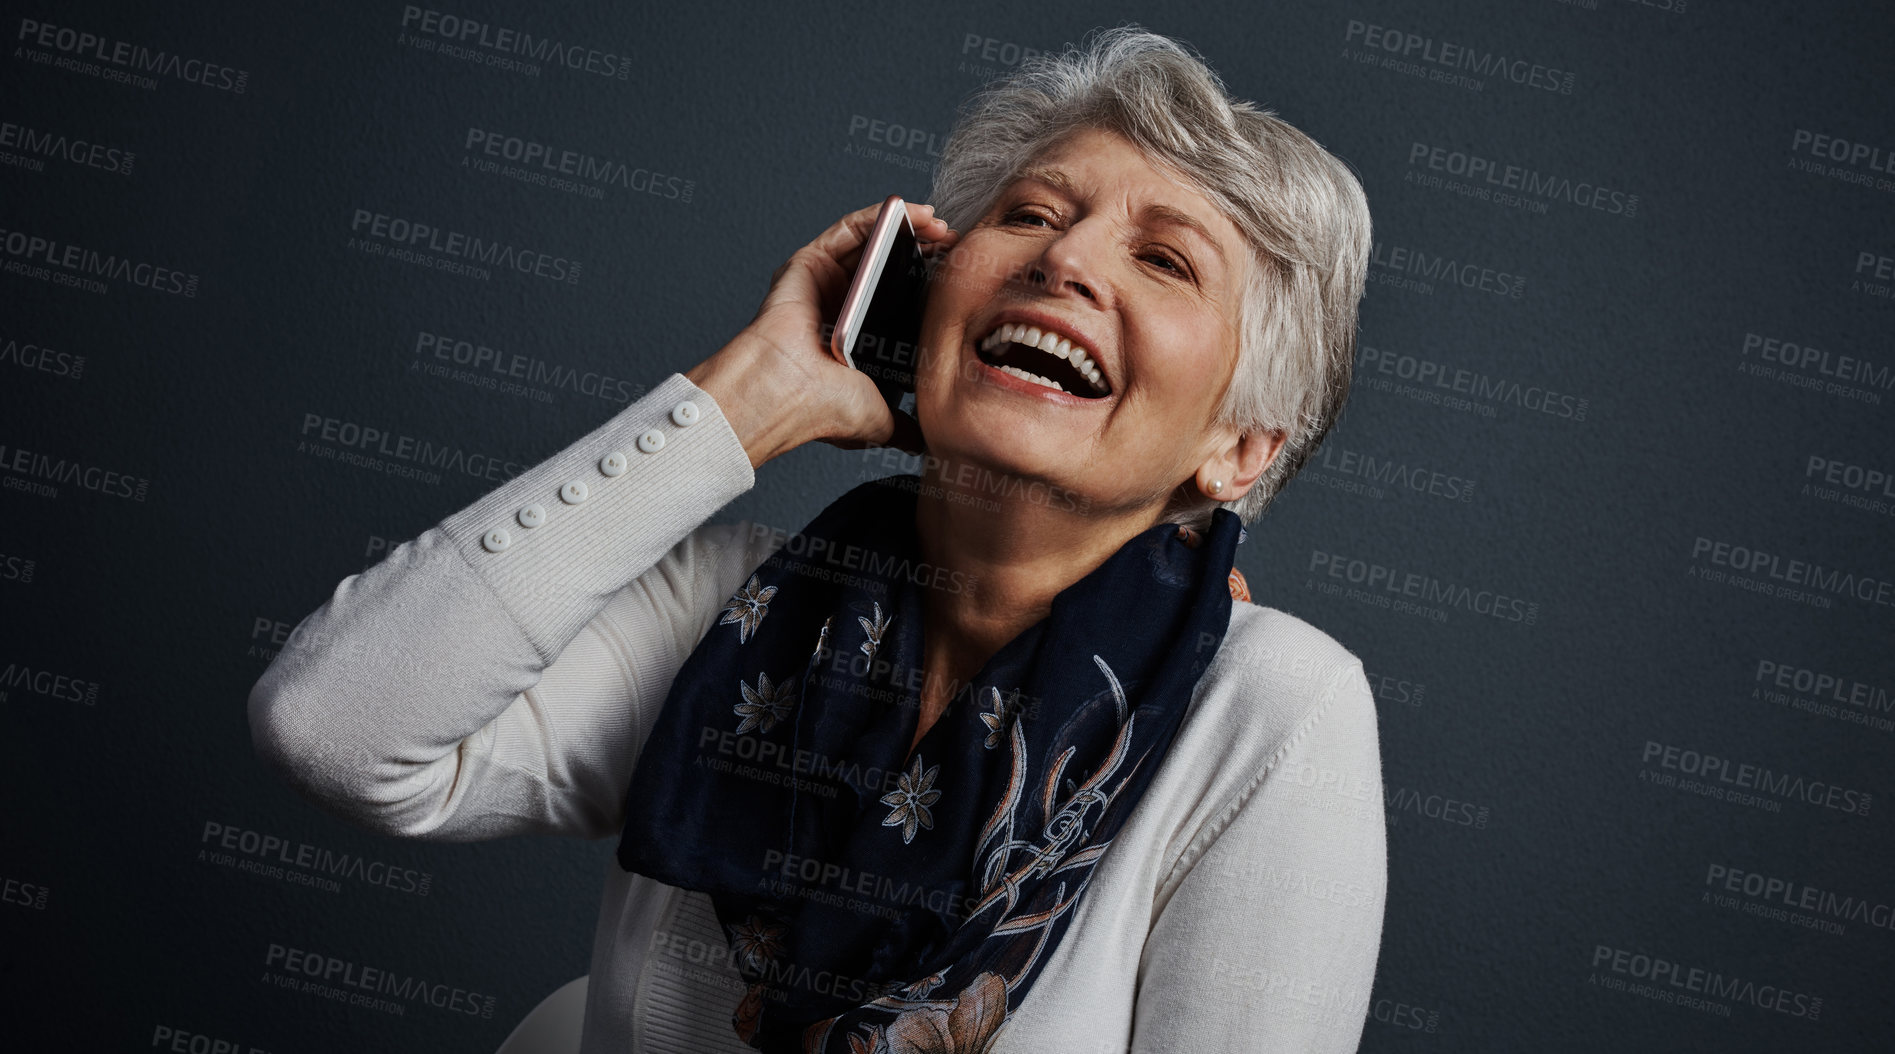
490, 679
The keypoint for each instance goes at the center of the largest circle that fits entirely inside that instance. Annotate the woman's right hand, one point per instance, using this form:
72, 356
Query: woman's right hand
777, 382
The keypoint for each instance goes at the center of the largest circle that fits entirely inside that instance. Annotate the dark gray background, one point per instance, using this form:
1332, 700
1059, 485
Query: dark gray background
1491, 929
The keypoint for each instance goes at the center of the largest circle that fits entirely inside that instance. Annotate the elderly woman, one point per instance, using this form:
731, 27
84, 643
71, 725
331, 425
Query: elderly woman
999, 757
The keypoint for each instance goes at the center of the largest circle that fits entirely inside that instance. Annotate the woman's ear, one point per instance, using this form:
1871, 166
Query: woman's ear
1242, 461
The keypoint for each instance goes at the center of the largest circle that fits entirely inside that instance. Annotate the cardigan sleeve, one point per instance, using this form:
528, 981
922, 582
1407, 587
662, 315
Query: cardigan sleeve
1269, 942
491, 678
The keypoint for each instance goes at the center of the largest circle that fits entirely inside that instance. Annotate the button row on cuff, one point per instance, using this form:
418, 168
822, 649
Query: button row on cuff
684, 415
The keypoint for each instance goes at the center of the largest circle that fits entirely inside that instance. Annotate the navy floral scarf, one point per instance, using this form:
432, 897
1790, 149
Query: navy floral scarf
878, 900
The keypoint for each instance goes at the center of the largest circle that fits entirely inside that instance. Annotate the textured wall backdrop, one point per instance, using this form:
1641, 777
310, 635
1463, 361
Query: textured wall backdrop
1608, 516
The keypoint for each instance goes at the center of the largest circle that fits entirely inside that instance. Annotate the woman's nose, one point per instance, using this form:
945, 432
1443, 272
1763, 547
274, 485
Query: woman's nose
1066, 265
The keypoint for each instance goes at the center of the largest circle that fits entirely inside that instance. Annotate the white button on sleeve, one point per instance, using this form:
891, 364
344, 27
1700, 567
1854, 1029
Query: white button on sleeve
685, 414
532, 515
573, 493
613, 464
651, 442
496, 540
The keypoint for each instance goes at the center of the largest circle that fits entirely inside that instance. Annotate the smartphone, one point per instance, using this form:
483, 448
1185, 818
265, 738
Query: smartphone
879, 329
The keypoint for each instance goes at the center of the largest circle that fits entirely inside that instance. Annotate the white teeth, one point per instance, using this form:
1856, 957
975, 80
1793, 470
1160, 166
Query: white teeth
1034, 377
1051, 343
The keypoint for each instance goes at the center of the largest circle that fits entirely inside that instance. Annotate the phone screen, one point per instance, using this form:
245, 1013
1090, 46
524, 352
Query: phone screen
885, 343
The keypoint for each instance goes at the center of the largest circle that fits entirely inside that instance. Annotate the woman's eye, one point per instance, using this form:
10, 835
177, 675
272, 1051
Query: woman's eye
1167, 262
1018, 217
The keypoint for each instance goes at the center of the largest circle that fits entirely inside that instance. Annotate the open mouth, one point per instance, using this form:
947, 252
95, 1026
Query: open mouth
1044, 358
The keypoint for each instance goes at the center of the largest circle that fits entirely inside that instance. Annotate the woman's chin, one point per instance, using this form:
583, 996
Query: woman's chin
995, 462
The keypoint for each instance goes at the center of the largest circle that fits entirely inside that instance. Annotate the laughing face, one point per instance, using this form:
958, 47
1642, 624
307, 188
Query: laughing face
1083, 331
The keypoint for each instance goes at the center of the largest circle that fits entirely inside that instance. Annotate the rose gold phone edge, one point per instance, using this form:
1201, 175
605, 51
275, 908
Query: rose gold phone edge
855, 305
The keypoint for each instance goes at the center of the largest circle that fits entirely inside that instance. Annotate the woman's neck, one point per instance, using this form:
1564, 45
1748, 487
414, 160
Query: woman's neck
1011, 562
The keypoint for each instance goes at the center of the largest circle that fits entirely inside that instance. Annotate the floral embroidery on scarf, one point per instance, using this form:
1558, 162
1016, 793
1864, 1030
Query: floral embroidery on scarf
921, 988
1066, 824
911, 797
747, 608
968, 1021
1022, 852
966, 1025
874, 630
996, 721
766, 704
756, 942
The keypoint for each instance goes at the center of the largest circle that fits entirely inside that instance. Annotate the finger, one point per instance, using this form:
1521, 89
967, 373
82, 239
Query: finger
921, 217
941, 246
928, 226
847, 233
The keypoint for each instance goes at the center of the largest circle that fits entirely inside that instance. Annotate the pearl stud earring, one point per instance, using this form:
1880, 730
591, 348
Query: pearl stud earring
1217, 486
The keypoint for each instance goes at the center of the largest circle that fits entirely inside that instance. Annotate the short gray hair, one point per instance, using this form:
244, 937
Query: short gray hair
1300, 208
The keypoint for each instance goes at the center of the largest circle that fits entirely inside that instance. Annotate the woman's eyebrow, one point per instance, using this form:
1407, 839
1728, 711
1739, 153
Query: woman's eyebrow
1052, 177
1178, 217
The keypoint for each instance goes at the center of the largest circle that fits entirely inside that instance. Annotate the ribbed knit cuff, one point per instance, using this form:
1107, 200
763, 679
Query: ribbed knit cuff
555, 576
